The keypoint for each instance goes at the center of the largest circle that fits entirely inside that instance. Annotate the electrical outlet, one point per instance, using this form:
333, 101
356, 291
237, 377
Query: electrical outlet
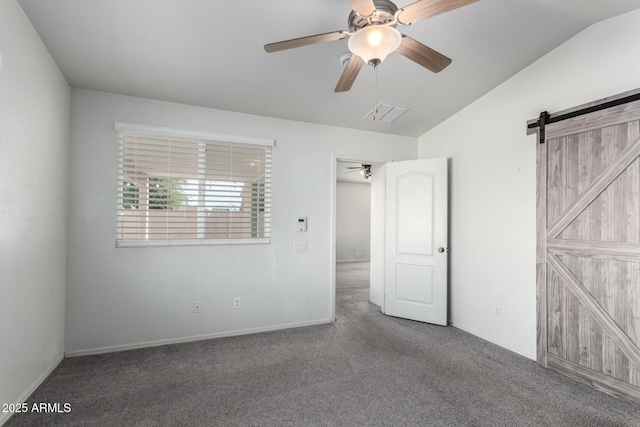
498, 311
236, 302
197, 307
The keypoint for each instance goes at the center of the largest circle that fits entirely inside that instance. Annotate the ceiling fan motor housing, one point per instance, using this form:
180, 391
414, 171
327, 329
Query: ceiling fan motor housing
384, 13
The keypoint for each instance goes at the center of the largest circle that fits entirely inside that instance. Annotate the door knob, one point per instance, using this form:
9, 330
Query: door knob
440, 249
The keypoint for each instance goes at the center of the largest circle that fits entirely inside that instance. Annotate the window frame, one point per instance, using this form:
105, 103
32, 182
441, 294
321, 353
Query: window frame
167, 132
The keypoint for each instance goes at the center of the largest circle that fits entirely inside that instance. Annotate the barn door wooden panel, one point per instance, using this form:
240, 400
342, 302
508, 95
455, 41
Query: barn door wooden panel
588, 254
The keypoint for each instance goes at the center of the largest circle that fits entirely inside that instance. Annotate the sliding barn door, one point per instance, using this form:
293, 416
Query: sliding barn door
588, 255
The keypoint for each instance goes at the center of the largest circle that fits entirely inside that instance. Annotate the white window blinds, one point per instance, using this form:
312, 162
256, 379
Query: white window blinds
179, 187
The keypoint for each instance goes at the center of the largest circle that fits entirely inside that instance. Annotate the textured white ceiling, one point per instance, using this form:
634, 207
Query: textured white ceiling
209, 53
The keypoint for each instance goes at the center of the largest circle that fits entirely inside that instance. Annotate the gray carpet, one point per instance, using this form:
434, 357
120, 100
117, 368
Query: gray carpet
366, 369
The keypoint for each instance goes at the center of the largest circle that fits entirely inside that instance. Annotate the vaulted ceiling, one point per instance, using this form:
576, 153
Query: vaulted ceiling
210, 53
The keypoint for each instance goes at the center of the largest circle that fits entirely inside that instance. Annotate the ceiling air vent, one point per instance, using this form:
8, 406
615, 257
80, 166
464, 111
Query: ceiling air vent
387, 113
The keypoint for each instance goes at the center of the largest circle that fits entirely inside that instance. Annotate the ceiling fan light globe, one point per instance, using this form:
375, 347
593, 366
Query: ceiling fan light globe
374, 38
374, 42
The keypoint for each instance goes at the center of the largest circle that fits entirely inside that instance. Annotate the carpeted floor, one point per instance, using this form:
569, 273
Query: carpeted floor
366, 369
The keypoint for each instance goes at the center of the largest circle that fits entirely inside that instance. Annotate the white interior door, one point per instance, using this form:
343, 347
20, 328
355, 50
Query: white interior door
415, 272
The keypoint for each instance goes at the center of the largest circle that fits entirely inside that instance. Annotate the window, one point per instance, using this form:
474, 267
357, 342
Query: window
178, 187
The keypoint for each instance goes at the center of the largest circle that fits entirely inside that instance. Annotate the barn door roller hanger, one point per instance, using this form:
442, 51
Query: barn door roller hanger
546, 119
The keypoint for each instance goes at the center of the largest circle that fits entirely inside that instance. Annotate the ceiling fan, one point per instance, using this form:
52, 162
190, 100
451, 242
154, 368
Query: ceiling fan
373, 35
364, 169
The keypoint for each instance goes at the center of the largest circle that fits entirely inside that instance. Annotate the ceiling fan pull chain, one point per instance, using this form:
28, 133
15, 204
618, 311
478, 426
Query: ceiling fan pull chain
375, 92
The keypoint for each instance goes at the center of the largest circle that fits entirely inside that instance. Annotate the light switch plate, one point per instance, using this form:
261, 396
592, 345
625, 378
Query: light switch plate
300, 247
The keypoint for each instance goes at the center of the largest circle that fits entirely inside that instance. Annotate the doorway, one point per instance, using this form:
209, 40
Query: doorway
408, 237
352, 235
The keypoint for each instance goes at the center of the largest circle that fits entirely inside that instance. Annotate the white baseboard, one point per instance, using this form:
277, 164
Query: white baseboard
375, 302
4, 417
156, 343
352, 260
495, 341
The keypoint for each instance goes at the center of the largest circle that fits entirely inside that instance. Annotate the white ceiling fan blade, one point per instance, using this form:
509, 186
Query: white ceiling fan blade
304, 41
363, 7
423, 9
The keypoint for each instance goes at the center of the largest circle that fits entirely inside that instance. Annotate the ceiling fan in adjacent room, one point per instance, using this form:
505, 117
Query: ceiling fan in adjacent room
365, 170
373, 35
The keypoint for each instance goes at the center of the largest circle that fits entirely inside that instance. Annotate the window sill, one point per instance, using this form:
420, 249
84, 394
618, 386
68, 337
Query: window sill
190, 242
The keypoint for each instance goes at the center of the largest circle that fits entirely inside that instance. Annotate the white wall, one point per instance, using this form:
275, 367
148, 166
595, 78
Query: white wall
127, 297
493, 176
353, 221
34, 149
